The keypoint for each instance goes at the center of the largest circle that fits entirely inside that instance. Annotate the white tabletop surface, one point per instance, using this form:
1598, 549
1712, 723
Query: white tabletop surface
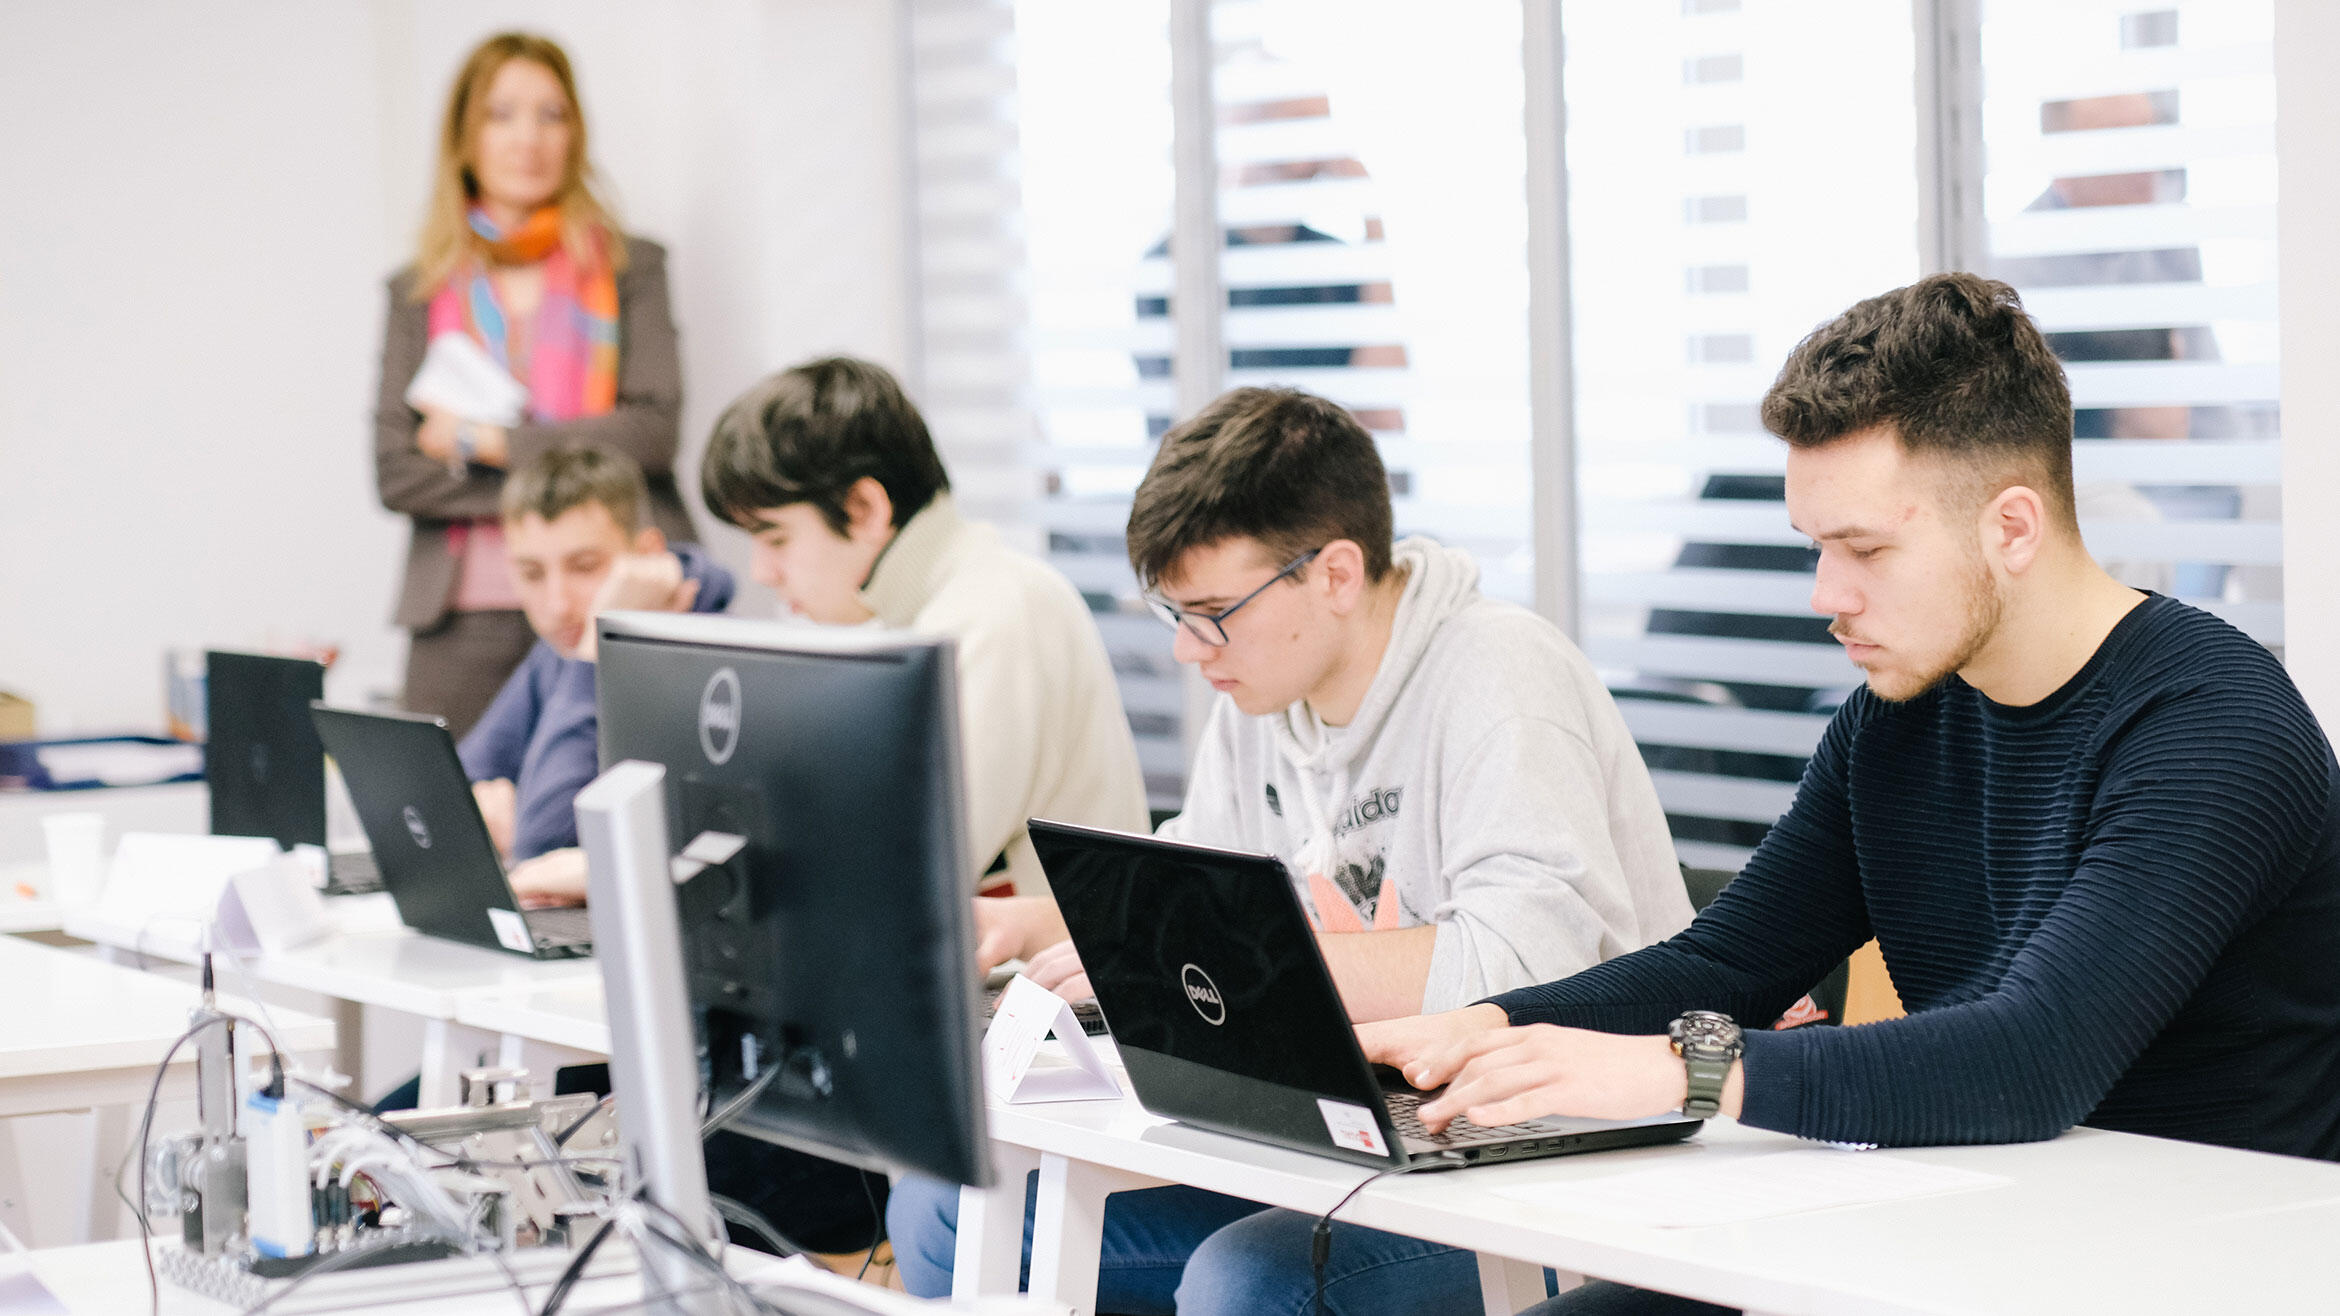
2091, 1221
106, 1279
372, 958
572, 1013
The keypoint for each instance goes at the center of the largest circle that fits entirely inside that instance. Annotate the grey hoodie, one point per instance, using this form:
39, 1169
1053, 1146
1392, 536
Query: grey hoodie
1487, 784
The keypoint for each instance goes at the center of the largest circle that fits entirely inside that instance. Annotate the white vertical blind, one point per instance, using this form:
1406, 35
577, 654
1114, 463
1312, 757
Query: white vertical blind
1731, 184
2129, 194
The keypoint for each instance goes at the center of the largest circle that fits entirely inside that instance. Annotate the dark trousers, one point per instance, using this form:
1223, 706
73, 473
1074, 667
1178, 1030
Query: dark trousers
454, 669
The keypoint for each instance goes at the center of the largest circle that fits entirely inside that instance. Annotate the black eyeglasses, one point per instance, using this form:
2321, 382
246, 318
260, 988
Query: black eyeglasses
1210, 627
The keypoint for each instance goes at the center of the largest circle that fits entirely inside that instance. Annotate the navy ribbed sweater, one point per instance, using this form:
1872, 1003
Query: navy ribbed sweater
2119, 906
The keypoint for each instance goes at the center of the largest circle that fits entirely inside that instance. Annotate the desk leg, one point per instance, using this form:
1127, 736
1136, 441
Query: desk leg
449, 1049
1068, 1228
1506, 1286
991, 1227
349, 1043
111, 1130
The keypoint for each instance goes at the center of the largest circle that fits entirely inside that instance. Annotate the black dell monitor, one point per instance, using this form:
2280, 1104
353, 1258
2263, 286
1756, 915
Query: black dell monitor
813, 790
263, 763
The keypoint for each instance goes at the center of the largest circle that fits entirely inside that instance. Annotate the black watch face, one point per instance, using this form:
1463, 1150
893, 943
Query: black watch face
1707, 1032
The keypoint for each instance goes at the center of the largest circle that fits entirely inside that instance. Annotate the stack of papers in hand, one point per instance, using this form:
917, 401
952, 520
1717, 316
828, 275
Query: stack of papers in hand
459, 376
1712, 1190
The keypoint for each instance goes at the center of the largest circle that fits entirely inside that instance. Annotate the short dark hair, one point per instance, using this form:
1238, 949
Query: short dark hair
1955, 366
553, 482
1286, 468
807, 434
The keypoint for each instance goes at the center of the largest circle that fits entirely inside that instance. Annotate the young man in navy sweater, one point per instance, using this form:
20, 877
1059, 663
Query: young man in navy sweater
577, 531
2093, 830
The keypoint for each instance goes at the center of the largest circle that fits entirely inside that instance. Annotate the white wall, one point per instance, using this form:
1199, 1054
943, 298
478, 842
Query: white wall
198, 202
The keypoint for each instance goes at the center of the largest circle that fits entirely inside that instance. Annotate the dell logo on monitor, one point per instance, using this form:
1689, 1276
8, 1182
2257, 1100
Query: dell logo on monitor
415, 826
1203, 995
719, 716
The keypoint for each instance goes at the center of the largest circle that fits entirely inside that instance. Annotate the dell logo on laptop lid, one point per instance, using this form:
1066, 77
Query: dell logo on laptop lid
416, 827
719, 716
1203, 995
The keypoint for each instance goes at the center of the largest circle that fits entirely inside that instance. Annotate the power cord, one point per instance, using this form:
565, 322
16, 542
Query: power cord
1320, 1238
877, 1233
740, 1101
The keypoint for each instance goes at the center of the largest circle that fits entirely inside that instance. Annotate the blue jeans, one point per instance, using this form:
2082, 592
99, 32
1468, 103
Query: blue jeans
1149, 1234
1599, 1297
1183, 1250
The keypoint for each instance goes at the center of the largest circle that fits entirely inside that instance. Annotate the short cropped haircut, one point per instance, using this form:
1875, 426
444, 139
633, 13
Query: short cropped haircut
1959, 371
807, 434
1286, 468
554, 482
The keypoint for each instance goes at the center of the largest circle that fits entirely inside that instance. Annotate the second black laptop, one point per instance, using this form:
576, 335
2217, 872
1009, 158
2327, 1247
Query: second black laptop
1225, 1016
432, 846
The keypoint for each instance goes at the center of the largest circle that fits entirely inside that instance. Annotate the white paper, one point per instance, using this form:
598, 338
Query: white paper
272, 909
1013, 1069
120, 762
458, 375
1352, 1126
1715, 1190
512, 931
158, 875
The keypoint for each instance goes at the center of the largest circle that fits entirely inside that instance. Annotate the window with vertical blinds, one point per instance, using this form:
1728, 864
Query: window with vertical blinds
1042, 145
1715, 218
1373, 211
1738, 172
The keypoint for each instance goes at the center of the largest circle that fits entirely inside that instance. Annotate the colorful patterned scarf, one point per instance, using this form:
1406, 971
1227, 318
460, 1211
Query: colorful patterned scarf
571, 348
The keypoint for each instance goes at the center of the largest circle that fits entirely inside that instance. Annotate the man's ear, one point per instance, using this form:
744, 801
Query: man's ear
1341, 566
2015, 527
650, 539
869, 510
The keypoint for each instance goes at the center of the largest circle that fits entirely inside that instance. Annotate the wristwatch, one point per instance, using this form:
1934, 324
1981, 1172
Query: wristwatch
1708, 1044
466, 441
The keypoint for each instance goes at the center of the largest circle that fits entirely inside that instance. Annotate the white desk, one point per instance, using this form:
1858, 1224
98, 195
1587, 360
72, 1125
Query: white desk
2091, 1222
371, 960
181, 806
109, 1278
78, 1034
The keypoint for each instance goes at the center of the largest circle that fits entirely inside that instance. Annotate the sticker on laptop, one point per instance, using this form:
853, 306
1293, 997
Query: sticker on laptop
1352, 1127
511, 930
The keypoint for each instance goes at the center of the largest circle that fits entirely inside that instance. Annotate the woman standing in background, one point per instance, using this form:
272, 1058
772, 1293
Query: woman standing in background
521, 256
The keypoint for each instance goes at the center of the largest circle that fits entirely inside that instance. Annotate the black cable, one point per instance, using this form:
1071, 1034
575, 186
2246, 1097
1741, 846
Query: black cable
740, 1101
146, 1131
1320, 1238
877, 1232
561, 1139
576, 1269
348, 1257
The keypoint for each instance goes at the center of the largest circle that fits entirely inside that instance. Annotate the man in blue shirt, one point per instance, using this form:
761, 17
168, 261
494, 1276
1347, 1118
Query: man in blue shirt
2095, 831
579, 543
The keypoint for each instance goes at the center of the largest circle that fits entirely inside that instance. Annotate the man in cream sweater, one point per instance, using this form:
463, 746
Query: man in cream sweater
1455, 793
831, 469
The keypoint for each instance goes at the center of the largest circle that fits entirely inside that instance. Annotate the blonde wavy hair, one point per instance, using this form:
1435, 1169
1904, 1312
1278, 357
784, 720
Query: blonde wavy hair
447, 239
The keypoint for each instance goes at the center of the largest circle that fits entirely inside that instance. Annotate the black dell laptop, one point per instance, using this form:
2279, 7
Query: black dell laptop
263, 765
1226, 1017
431, 844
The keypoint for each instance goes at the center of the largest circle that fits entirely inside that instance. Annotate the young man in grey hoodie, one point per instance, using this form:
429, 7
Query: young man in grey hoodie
1452, 788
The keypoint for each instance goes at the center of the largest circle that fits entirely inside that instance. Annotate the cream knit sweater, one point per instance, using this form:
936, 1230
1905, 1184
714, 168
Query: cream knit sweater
1041, 728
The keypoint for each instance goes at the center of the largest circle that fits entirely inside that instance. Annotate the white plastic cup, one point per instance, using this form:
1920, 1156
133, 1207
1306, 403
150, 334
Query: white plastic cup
77, 856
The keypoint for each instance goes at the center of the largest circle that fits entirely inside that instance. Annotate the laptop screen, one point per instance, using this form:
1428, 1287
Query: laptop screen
1202, 956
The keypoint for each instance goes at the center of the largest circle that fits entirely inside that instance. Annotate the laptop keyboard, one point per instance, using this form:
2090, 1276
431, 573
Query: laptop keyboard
564, 926
1404, 1114
351, 873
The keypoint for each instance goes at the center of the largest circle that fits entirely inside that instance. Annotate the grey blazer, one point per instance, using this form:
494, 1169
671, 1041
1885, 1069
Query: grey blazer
645, 426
